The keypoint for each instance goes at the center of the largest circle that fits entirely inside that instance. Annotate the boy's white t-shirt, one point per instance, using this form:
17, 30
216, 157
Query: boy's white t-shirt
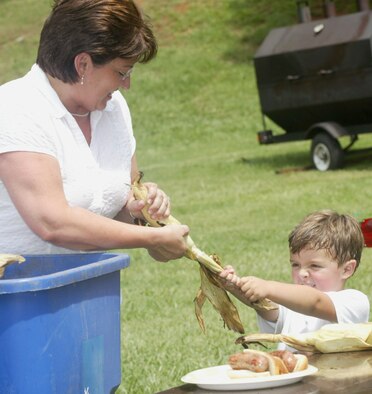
352, 306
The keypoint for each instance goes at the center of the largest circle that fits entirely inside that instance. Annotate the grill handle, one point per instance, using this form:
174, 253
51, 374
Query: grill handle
326, 72
293, 77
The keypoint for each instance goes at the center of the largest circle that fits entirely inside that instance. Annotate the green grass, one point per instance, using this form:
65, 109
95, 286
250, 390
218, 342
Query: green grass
195, 112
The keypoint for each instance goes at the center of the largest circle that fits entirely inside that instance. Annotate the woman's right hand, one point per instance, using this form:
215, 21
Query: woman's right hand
170, 242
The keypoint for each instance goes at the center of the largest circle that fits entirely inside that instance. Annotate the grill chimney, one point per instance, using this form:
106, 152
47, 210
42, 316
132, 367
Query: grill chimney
329, 8
303, 11
363, 5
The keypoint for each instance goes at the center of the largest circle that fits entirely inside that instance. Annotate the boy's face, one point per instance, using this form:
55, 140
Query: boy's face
316, 268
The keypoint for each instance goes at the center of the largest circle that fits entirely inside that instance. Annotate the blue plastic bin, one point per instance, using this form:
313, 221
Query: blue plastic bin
60, 324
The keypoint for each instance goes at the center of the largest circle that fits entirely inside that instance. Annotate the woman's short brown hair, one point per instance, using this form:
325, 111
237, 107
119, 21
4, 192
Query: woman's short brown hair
340, 235
105, 29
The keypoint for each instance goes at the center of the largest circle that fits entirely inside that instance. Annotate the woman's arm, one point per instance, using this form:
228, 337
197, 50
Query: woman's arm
34, 184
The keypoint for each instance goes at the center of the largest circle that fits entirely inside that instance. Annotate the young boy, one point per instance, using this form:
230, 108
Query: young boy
325, 251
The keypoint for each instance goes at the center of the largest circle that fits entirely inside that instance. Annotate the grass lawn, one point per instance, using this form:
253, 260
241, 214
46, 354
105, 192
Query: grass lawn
195, 112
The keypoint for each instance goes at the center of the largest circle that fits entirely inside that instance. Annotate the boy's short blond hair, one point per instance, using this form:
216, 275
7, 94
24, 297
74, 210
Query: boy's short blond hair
340, 235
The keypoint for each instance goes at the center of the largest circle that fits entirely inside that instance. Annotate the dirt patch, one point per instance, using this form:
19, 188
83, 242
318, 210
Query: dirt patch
182, 7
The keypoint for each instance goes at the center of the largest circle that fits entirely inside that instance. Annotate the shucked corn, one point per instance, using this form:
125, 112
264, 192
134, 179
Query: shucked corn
331, 338
6, 259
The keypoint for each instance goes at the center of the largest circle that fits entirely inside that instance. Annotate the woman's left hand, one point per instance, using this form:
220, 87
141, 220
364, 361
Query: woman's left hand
159, 203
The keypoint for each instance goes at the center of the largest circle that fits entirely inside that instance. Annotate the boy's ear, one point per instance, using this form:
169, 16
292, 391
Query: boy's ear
349, 268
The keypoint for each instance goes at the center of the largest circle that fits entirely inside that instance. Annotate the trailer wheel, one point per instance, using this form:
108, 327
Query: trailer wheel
326, 152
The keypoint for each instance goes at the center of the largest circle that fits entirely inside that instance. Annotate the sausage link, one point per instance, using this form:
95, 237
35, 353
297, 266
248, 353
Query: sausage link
252, 362
289, 359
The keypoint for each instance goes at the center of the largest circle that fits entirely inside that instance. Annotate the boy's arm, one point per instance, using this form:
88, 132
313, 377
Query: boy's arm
300, 298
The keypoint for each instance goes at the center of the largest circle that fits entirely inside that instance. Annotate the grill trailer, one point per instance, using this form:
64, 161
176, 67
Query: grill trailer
314, 80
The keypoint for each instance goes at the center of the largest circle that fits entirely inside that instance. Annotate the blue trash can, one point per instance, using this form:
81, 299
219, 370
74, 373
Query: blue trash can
60, 324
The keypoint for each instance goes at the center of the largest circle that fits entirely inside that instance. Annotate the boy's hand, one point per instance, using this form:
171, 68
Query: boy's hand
254, 288
230, 281
229, 275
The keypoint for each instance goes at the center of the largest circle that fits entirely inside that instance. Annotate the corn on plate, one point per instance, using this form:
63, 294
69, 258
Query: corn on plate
331, 338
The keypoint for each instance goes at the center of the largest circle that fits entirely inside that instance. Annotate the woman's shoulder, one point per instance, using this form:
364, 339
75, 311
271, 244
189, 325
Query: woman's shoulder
11, 91
118, 104
19, 95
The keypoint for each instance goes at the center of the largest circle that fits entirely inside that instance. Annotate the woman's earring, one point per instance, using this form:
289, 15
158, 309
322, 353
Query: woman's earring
82, 80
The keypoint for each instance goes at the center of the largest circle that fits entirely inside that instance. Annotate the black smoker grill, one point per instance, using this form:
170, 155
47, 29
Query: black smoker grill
315, 81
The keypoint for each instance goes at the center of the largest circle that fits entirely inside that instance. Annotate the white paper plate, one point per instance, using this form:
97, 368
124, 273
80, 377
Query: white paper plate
216, 378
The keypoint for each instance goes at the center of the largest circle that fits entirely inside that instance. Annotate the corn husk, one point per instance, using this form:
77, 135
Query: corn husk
209, 267
331, 338
6, 259
218, 297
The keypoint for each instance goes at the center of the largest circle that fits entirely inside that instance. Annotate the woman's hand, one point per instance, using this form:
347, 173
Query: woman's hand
159, 203
172, 243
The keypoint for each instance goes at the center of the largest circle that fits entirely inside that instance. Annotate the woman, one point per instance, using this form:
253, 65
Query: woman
67, 150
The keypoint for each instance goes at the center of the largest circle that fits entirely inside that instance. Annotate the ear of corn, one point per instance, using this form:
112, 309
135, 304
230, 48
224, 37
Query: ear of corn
210, 267
294, 341
6, 259
331, 338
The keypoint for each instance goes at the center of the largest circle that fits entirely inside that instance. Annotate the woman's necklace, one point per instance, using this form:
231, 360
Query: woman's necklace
80, 115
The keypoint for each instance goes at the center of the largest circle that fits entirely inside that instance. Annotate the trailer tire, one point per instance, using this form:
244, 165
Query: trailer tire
326, 152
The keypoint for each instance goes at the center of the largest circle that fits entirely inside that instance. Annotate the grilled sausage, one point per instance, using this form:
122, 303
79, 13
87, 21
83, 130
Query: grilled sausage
289, 359
249, 360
